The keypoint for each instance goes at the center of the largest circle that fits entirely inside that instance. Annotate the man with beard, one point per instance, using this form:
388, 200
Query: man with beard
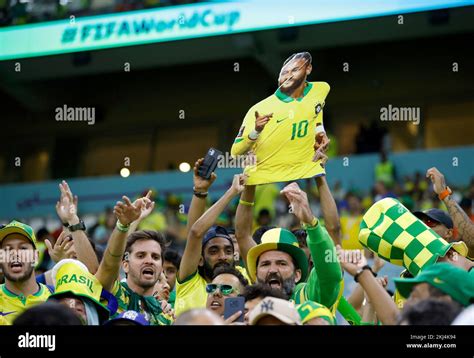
18, 258
140, 254
207, 246
278, 260
285, 129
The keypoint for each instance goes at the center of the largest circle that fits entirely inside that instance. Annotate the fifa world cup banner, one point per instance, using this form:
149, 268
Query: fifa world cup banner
283, 131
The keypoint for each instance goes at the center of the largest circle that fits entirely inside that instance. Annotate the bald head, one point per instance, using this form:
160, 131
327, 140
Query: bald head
199, 317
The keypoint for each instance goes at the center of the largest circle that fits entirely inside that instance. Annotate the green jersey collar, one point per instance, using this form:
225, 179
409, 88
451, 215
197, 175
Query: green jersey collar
285, 98
21, 296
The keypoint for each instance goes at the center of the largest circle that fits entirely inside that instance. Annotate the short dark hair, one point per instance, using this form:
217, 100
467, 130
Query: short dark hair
48, 314
305, 55
257, 235
262, 290
231, 271
42, 232
436, 292
301, 235
431, 312
145, 235
172, 256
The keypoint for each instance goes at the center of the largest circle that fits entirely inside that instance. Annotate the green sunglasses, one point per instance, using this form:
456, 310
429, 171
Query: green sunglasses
225, 289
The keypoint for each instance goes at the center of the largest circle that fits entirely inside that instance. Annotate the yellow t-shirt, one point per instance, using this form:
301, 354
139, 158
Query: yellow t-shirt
191, 292
12, 305
284, 149
399, 300
156, 222
350, 227
265, 198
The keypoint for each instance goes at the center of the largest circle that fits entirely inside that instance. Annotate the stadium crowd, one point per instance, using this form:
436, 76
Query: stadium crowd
277, 255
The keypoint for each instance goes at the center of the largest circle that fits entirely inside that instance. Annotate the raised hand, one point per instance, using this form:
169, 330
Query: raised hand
299, 202
321, 142
201, 184
261, 121
320, 155
147, 205
63, 247
126, 211
238, 183
321, 145
231, 319
351, 260
439, 184
66, 207
167, 309
378, 263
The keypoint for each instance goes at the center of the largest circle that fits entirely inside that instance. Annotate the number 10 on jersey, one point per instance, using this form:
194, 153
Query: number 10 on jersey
299, 130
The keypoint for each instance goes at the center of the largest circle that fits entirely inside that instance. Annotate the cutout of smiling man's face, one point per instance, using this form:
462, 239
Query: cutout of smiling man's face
293, 74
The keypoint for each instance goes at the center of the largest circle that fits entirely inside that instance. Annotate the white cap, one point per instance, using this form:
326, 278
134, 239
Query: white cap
281, 309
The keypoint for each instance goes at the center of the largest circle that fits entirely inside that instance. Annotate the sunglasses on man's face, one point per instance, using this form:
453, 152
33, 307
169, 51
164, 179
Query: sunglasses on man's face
225, 289
430, 223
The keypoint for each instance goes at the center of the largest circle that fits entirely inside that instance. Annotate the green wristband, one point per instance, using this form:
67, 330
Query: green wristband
122, 228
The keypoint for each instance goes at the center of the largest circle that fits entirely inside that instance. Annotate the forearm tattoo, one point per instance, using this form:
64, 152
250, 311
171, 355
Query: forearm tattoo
461, 221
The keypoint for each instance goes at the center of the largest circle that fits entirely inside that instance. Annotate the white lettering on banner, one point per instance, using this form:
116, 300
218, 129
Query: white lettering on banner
180, 22
140, 27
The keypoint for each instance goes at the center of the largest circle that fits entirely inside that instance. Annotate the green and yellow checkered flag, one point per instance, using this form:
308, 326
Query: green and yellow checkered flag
391, 231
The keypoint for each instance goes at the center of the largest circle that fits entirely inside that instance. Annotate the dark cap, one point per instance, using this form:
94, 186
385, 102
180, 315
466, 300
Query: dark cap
436, 215
216, 231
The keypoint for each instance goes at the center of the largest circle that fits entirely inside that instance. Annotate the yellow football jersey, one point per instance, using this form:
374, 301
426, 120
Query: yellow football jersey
12, 305
350, 227
191, 292
284, 149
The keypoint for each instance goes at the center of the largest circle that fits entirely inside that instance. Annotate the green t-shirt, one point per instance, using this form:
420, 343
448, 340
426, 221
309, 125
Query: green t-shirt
324, 281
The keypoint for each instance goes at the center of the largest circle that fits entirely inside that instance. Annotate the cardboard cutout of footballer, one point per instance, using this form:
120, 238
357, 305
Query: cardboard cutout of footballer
285, 131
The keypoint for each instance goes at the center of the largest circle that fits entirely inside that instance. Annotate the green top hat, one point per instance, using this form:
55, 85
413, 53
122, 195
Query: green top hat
452, 280
390, 230
280, 240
